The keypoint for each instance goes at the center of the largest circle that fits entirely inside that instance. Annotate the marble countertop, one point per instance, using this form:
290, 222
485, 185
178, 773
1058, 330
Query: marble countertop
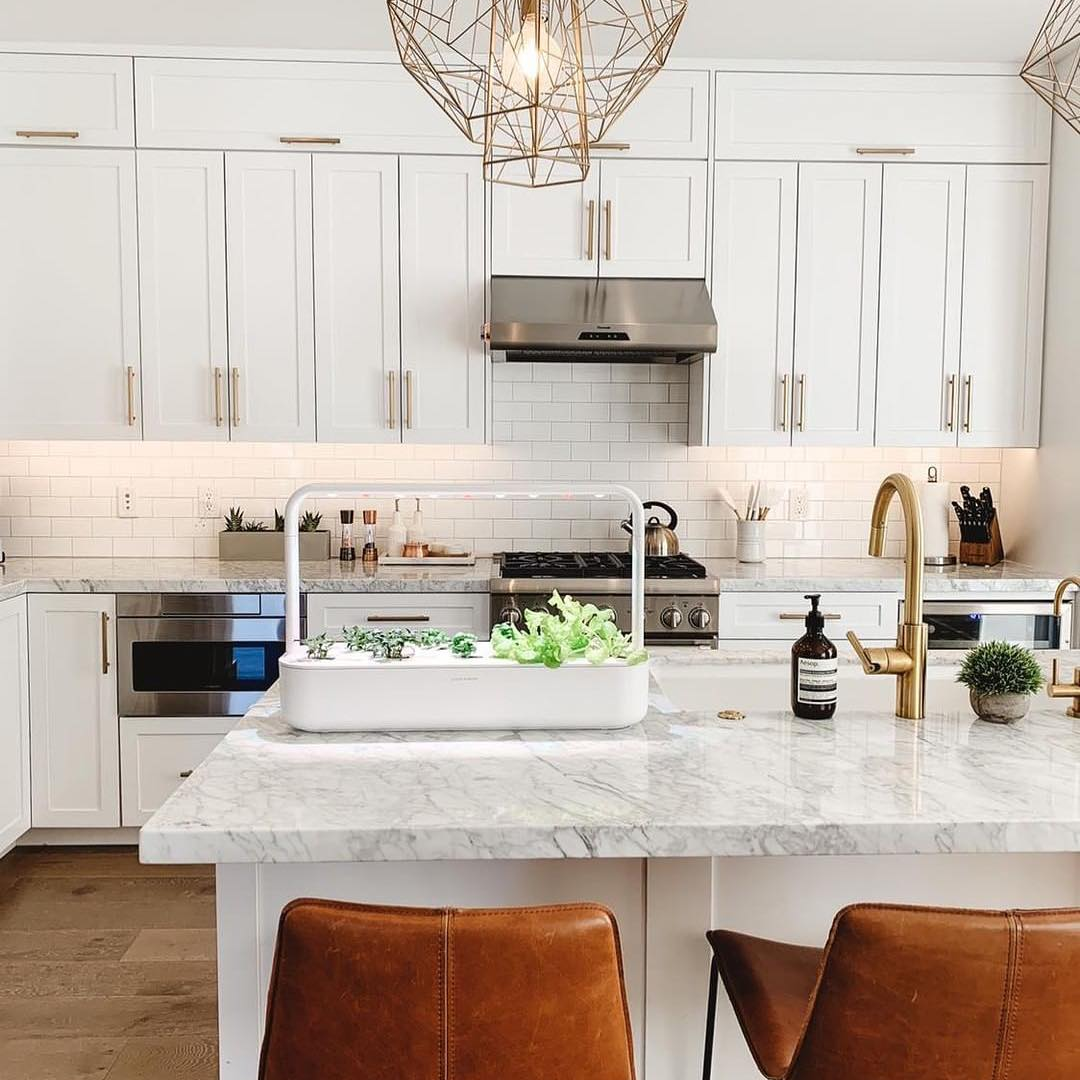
212, 575
682, 783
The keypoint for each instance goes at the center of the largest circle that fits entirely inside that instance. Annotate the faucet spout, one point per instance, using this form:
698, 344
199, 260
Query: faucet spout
907, 659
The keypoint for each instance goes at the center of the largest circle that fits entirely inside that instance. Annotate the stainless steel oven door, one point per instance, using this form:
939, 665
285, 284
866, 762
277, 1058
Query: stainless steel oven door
960, 624
196, 666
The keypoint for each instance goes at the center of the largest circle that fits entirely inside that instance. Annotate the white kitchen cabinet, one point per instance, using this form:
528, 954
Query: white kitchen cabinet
444, 360
922, 279
271, 303
1004, 293
456, 613
157, 754
782, 616
66, 100
184, 313
653, 220
69, 295
14, 723
74, 739
546, 232
836, 304
754, 293
357, 317
668, 119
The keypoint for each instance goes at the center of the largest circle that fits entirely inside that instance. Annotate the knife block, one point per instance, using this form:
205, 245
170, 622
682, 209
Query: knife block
977, 553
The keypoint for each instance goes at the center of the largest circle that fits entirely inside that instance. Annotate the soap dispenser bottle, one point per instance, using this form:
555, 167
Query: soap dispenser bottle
814, 669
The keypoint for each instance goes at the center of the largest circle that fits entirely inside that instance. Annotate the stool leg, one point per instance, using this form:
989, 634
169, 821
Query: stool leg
710, 1020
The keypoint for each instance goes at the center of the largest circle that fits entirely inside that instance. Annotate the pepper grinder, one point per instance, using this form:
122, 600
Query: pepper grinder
348, 545
370, 554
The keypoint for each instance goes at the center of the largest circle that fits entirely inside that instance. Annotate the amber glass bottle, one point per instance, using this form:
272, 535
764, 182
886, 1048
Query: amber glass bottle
814, 669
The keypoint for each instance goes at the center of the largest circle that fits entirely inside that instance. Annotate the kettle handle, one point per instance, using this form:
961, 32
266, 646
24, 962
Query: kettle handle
673, 524
628, 527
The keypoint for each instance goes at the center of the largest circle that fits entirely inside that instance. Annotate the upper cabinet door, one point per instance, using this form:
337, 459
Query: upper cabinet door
357, 346
1004, 292
754, 292
653, 221
668, 119
69, 295
443, 358
271, 306
922, 280
836, 304
66, 100
546, 232
14, 723
182, 294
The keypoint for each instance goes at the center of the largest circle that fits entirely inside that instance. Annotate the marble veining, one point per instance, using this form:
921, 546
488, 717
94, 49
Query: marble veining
682, 783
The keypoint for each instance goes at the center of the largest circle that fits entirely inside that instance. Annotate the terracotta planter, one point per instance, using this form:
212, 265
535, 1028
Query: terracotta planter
1000, 708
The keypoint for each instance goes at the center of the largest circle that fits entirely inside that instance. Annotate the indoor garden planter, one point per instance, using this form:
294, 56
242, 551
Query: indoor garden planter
1001, 679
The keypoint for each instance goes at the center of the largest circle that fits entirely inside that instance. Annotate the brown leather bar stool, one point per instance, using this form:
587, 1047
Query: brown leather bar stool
379, 993
905, 993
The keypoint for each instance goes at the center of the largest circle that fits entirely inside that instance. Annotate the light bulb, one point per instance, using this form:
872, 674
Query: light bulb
532, 58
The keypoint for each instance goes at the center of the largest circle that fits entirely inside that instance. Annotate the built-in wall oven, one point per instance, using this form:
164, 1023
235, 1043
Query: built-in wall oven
963, 624
197, 654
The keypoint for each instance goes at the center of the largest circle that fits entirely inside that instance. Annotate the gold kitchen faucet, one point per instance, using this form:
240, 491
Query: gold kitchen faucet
1065, 690
907, 658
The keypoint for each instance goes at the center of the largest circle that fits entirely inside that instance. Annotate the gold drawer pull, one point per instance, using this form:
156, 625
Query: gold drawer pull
794, 616
398, 618
409, 399
47, 134
104, 643
608, 215
310, 140
610, 146
185, 773
885, 151
969, 385
219, 415
236, 397
785, 387
391, 378
590, 234
131, 414
950, 419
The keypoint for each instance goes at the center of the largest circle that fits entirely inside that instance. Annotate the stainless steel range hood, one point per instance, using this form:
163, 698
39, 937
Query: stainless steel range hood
610, 320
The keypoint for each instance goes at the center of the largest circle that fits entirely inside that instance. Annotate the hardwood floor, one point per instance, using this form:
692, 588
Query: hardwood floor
107, 967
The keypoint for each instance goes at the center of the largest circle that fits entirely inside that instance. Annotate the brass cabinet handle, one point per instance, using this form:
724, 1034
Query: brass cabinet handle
131, 416
785, 382
950, 418
969, 394
796, 616
398, 618
885, 151
408, 399
802, 403
105, 643
610, 146
185, 773
47, 134
391, 379
236, 397
590, 231
608, 215
219, 415
310, 140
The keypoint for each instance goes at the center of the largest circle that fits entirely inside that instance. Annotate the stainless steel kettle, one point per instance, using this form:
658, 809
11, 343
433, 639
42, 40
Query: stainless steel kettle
659, 539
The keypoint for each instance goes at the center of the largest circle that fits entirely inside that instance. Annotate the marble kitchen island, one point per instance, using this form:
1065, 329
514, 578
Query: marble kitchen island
764, 824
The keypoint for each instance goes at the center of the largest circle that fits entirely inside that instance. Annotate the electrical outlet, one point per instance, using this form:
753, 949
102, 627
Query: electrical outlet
125, 501
202, 526
208, 502
799, 504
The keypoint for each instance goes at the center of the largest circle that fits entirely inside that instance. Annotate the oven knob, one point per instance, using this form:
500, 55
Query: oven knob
671, 618
700, 619
510, 615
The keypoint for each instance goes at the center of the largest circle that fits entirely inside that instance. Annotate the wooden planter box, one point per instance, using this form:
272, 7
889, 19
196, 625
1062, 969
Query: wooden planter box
270, 546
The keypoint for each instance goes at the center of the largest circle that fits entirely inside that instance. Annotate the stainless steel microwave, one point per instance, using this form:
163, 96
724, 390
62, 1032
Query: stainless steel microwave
963, 624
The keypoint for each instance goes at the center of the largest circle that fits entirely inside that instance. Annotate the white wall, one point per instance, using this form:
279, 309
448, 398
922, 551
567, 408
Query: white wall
1041, 490
936, 30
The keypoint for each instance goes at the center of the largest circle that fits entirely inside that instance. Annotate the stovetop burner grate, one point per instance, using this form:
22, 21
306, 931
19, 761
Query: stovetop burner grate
596, 564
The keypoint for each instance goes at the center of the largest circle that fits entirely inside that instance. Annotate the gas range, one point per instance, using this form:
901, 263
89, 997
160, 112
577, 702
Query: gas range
682, 603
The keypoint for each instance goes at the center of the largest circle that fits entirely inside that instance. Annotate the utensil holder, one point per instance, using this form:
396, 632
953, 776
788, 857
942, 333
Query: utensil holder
750, 541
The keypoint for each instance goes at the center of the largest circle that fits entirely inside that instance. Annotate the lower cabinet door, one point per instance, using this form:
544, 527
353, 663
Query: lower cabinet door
456, 613
157, 754
14, 723
74, 739
781, 616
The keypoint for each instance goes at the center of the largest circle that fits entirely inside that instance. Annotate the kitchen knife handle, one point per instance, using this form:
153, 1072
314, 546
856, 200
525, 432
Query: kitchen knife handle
590, 231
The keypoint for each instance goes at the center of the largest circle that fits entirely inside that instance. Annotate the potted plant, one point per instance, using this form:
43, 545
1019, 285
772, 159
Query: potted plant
1001, 679
253, 540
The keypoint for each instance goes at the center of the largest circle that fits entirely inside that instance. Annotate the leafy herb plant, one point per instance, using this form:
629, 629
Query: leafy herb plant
573, 631
463, 645
1001, 668
318, 647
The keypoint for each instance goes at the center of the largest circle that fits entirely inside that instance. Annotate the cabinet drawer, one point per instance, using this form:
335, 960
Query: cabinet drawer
66, 100
670, 119
831, 117
256, 104
456, 613
157, 754
780, 616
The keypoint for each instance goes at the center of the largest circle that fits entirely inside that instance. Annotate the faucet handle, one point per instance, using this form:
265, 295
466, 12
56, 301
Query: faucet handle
870, 666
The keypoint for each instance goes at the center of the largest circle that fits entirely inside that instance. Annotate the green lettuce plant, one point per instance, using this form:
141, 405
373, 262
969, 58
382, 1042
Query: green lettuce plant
1001, 668
572, 631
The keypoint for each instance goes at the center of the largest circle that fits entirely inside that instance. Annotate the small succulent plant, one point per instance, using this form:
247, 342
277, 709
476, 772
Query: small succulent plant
463, 645
255, 526
999, 667
310, 522
234, 520
318, 647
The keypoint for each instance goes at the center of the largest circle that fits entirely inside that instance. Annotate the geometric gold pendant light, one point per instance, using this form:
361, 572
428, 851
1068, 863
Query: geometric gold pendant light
535, 82
1052, 68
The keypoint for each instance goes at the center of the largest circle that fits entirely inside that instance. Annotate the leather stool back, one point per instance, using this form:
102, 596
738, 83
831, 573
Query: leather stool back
902, 993
376, 993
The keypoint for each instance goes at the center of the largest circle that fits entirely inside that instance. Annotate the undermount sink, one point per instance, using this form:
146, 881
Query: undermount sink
765, 687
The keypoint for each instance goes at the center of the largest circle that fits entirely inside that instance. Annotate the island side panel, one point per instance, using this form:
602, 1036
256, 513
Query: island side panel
251, 897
